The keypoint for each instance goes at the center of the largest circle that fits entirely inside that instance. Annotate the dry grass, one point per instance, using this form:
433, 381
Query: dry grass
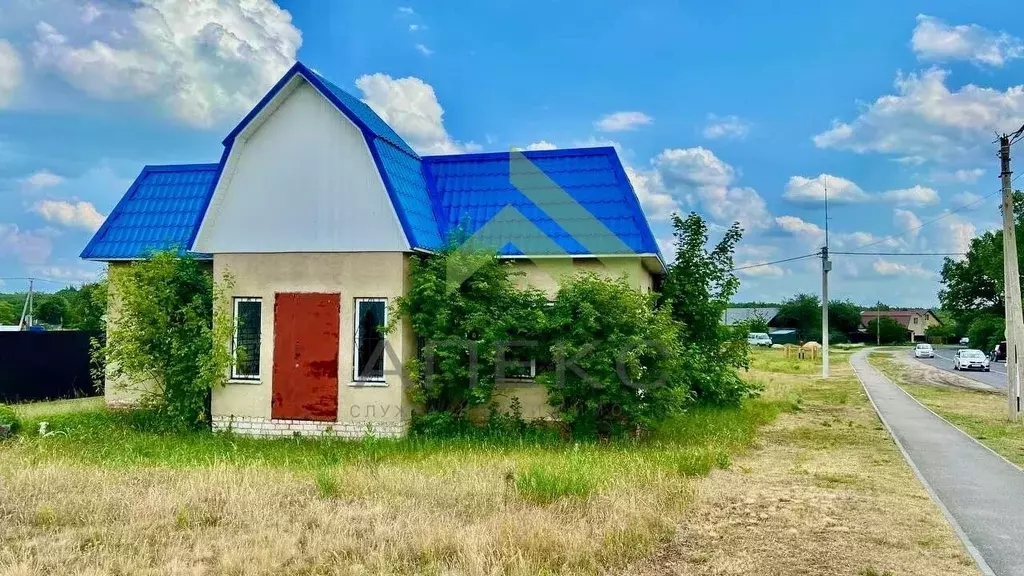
980, 413
817, 497
827, 493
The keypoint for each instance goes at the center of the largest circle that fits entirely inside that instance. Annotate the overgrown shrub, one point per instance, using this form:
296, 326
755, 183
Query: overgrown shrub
888, 331
8, 417
617, 362
462, 305
697, 289
164, 343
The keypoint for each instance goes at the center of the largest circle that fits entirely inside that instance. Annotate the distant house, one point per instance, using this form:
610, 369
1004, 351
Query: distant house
916, 321
733, 316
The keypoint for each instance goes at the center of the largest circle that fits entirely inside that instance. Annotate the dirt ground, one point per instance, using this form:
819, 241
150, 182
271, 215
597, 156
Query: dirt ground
827, 492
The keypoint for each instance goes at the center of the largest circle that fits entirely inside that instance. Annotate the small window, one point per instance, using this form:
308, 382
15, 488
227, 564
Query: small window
520, 361
371, 319
245, 347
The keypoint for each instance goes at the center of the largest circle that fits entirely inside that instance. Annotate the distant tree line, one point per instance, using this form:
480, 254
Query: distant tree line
81, 308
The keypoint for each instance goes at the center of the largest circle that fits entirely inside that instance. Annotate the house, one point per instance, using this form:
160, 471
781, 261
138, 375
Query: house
315, 209
915, 320
733, 316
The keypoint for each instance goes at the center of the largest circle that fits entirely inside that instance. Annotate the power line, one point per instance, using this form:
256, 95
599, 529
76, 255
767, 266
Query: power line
758, 265
932, 221
59, 282
900, 253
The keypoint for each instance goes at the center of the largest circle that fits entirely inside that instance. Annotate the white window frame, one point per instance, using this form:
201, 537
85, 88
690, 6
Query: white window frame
234, 340
533, 369
355, 346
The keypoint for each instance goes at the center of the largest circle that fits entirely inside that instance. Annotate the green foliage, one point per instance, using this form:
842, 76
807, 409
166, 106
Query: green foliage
697, 290
972, 286
326, 484
618, 361
52, 310
166, 342
843, 317
450, 318
8, 417
888, 330
758, 323
802, 313
9, 315
986, 331
941, 332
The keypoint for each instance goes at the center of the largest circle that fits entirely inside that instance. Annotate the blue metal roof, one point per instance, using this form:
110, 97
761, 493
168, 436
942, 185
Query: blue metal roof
162, 210
580, 198
576, 201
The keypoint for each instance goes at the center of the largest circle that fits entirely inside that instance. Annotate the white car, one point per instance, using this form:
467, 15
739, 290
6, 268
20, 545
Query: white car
965, 341
924, 351
759, 339
970, 359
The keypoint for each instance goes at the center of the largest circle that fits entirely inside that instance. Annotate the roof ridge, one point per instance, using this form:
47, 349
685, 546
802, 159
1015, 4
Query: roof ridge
554, 153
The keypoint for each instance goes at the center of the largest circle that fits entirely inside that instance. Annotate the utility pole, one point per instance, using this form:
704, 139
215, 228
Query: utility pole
826, 266
1011, 285
878, 327
26, 311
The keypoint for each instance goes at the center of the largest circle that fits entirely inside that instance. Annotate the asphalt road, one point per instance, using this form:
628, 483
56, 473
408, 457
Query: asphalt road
944, 360
978, 491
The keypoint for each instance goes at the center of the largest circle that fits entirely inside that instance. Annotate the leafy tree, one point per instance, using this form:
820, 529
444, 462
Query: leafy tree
802, 313
758, 323
986, 331
52, 310
972, 286
843, 318
9, 315
618, 362
167, 336
888, 330
463, 324
941, 333
697, 290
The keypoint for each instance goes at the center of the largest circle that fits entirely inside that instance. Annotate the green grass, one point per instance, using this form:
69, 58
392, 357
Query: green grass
777, 361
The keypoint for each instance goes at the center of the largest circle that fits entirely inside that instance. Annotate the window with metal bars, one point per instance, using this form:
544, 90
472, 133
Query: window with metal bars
245, 346
371, 318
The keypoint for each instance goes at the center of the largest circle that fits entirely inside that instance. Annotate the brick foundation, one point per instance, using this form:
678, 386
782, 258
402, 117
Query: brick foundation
266, 427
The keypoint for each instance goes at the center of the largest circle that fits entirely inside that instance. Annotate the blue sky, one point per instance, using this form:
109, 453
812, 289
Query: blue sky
738, 111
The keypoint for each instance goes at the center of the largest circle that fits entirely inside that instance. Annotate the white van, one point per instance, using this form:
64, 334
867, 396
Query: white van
759, 339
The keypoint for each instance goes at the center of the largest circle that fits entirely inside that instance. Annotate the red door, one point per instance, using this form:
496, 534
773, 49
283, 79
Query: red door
306, 330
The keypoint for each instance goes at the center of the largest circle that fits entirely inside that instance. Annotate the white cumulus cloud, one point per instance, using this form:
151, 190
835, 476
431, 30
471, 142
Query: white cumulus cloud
891, 268
915, 196
41, 179
937, 41
410, 106
906, 222
622, 121
72, 214
31, 247
803, 190
726, 127
10, 72
926, 121
204, 61
967, 201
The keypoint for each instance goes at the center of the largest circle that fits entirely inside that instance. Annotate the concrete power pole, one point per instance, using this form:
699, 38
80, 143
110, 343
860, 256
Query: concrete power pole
1011, 282
826, 266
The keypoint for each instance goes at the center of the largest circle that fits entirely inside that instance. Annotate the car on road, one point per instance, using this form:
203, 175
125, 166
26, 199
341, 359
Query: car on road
759, 339
924, 351
999, 352
965, 341
970, 359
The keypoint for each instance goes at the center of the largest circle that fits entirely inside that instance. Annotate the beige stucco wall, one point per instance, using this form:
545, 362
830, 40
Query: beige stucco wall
546, 273
352, 275
924, 321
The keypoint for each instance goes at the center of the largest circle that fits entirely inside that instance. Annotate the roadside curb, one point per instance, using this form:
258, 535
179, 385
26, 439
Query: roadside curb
972, 550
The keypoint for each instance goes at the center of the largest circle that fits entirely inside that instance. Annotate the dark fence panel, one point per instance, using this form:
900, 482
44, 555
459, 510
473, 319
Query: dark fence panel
45, 365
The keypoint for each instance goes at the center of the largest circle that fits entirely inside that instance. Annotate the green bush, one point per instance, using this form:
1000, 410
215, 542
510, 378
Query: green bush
617, 362
462, 299
8, 417
167, 338
888, 331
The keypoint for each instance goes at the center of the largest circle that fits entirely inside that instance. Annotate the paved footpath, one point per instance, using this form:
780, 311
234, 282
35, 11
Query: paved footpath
981, 494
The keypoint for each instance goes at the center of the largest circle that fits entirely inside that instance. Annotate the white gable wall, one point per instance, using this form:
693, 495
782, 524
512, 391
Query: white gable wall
300, 178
